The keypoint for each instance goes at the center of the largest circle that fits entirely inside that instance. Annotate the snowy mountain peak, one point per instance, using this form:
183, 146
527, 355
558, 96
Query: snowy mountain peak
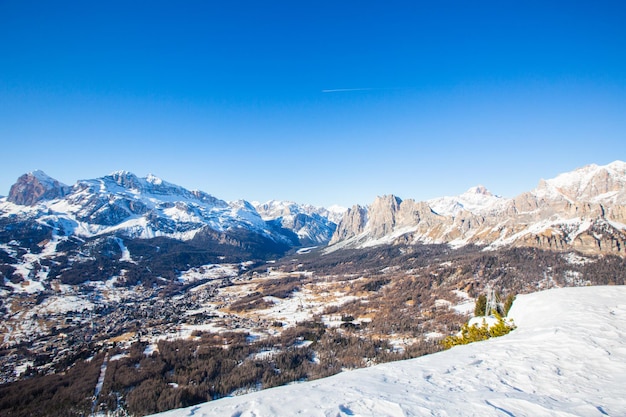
124, 204
125, 179
335, 208
153, 179
242, 205
44, 178
273, 209
617, 166
152, 187
476, 200
479, 189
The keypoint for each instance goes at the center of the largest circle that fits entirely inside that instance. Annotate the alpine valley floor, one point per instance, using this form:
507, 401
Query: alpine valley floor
567, 357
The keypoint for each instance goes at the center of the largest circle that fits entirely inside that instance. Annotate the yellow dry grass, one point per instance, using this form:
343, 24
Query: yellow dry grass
123, 337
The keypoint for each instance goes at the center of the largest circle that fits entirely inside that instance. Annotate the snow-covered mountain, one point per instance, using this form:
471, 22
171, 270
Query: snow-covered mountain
148, 207
313, 225
584, 210
592, 183
125, 204
477, 200
566, 358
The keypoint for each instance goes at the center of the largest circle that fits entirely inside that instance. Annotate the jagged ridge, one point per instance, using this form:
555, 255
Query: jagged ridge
583, 210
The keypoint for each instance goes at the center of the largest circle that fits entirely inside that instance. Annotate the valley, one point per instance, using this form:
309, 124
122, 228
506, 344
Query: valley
301, 317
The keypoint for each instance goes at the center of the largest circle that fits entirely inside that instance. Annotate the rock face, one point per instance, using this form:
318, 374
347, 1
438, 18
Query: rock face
382, 215
583, 210
352, 224
34, 187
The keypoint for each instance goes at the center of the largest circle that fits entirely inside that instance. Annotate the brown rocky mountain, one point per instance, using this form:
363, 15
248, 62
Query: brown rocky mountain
583, 210
36, 186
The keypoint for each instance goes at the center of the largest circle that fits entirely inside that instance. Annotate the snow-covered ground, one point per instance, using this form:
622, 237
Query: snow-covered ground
566, 358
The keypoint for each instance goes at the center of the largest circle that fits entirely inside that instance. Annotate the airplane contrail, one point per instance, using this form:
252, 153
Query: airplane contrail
344, 90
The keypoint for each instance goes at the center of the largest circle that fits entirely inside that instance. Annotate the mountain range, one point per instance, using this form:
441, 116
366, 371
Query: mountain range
584, 210
151, 229
134, 207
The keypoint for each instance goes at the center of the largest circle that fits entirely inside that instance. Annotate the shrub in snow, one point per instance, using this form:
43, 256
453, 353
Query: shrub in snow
481, 305
475, 333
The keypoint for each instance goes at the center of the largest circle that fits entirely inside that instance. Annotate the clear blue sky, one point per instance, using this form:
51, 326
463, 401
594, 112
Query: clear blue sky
319, 102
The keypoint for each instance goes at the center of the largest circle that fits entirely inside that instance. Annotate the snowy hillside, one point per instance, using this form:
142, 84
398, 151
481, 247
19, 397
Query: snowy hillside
566, 358
121, 226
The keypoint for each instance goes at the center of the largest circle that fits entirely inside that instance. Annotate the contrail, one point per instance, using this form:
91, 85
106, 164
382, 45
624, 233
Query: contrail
344, 90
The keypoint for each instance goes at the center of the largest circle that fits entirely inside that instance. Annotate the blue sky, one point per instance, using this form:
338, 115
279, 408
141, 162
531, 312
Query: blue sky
326, 102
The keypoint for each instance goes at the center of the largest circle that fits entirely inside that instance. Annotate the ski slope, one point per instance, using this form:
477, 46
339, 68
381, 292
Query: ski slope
566, 358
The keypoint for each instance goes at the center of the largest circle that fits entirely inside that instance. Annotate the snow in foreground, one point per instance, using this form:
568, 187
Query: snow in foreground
566, 358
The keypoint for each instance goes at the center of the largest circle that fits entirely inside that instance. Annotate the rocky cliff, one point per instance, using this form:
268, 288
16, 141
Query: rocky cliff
34, 187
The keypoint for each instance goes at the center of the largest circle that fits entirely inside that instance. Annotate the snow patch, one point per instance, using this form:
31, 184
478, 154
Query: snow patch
150, 349
119, 356
576, 259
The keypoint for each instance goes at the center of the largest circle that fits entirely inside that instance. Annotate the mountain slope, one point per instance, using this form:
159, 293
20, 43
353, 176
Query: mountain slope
583, 210
566, 358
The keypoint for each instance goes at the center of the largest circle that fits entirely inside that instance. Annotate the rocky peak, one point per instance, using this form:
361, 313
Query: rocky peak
36, 186
385, 216
125, 179
478, 190
386, 202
